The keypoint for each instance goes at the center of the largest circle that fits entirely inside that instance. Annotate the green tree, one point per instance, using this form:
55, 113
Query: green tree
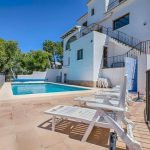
3, 56
36, 61
14, 62
54, 48
9, 57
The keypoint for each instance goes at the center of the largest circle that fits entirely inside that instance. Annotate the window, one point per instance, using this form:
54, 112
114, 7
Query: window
84, 24
72, 39
92, 12
80, 54
122, 21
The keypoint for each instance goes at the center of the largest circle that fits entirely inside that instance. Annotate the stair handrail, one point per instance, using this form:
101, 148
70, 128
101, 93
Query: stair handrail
144, 48
115, 34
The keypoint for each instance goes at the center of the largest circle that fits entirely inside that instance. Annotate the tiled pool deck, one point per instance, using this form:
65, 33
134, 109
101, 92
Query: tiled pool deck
24, 126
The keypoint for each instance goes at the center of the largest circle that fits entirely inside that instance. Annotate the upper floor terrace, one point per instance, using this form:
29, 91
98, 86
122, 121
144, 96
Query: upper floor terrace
115, 34
97, 11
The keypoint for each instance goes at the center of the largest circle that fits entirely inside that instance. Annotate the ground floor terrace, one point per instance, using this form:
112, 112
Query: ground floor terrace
24, 126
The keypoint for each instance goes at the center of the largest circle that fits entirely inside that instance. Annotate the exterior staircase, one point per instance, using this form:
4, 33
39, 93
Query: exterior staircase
137, 47
115, 34
119, 61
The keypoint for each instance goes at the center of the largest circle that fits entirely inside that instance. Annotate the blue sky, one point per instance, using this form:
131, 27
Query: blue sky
30, 22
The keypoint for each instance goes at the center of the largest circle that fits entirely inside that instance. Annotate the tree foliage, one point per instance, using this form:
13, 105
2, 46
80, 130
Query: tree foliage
54, 48
12, 60
35, 61
9, 56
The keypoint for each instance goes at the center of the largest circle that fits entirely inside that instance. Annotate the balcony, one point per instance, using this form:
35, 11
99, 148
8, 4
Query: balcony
114, 4
115, 34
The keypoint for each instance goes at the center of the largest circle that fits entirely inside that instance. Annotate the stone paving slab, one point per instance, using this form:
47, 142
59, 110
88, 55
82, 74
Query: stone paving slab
20, 127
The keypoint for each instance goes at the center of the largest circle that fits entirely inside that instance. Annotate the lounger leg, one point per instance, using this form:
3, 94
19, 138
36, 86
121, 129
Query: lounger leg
88, 131
119, 117
130, 142
53, 123
128, 122
90, 127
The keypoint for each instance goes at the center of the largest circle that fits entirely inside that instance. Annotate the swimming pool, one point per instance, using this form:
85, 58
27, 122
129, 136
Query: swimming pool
39, 88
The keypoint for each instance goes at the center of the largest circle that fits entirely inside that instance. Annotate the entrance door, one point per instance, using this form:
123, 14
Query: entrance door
61, 77
65, 78
131, 71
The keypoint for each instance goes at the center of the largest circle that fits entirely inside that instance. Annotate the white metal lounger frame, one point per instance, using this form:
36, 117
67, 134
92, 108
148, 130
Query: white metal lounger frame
95, 120
111, 123
108, 100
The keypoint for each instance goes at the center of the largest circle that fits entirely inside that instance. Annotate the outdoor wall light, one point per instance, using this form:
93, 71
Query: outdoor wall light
145, 23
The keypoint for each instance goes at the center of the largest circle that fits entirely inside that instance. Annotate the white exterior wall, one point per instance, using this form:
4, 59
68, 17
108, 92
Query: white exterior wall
64, 70
148, 62
25, 77
88, 68
51, 74
115, 75
82, 69
2, 80
139, 14
143, 65
115, 48
99, 7
66, 53
82, 20
35, 75
99, 42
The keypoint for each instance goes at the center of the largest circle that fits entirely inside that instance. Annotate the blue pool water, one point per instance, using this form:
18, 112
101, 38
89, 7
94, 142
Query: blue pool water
37, 88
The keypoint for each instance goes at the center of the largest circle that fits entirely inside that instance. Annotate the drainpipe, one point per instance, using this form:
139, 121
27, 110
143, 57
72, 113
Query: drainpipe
79, 30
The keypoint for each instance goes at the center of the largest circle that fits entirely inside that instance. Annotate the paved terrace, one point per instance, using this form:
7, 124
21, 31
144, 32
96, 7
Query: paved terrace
24, 126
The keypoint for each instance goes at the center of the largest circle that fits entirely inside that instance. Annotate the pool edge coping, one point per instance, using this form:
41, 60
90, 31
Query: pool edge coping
6, 93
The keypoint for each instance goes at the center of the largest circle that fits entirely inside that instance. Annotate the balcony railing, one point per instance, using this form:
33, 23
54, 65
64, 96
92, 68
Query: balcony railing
115, 34
114, 4
119, 61
114, 62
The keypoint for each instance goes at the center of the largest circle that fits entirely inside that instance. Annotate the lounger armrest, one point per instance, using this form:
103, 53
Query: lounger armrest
105, 107
87, 98
53, 109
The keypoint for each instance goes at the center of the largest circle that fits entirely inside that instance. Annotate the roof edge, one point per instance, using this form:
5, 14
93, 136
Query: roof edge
75, 28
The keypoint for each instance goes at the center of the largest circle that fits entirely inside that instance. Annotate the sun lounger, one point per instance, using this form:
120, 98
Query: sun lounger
103, 98
101, 115
108, 93
83, 100
93, 117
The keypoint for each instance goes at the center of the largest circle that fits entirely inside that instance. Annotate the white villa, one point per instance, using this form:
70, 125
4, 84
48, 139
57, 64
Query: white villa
110, 32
